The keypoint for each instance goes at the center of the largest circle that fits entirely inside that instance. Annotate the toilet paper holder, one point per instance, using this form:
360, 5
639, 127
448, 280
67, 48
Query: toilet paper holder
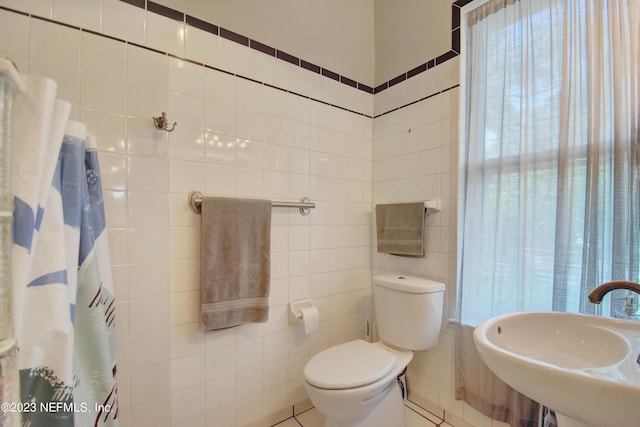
295, 309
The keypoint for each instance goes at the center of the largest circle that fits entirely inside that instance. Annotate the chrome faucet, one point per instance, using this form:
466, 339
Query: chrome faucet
598, 293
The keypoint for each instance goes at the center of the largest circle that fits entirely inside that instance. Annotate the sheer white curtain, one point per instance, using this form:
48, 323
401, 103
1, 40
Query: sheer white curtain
552, 198
551, 201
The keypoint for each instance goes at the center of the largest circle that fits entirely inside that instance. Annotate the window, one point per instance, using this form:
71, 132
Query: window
550, 201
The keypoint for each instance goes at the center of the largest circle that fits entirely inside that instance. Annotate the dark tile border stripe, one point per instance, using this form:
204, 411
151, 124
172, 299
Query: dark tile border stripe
137, 3
419, 69
349, 82
416, 101
398, 79
445, 57
95, 33
363, 87
455, 40
202, 25
381, 87
210, 67
267, 50
288, 58
311, 67
234, 37
331, 74
165, 11
272, 51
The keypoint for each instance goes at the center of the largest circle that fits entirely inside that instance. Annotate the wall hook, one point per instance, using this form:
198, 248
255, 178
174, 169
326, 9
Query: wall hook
163, 124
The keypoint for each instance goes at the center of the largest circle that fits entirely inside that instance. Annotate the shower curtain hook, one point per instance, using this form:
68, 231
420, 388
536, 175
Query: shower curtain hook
163, 124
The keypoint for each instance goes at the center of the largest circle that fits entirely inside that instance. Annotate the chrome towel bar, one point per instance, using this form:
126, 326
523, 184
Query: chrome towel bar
304, 205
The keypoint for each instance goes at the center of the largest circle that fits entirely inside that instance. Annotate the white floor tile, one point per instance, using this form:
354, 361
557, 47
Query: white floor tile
291, 422
416, 417
416, 420
412, 407
311, 418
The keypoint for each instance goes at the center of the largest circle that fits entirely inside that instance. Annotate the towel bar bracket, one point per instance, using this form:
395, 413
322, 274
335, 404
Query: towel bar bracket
195, 202
305, 205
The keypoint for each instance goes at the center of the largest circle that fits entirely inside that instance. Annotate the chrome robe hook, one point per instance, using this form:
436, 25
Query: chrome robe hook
163, 124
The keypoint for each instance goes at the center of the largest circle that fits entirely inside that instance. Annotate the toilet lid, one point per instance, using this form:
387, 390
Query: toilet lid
349, 365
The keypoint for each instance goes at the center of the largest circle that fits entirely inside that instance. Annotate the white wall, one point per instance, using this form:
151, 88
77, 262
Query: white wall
334, 34
416, 157
408, 33
234, 137
241, 138
370, 41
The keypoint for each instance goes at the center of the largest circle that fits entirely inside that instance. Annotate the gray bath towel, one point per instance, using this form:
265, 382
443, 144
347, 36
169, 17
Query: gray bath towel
235, 262
400, 228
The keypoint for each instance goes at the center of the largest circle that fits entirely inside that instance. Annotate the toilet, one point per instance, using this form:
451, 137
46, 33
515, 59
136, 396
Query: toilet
355, 384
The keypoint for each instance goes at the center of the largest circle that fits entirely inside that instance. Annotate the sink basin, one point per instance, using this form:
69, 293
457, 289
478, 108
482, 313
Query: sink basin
584, 367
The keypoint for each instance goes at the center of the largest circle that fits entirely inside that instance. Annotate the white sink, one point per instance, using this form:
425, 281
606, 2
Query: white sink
583, 367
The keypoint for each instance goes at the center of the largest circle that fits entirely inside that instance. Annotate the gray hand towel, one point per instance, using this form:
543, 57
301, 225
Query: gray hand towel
400, 228
235, 262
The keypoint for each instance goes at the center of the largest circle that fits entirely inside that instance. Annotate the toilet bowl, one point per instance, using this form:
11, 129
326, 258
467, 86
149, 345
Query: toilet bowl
360, 391
355, 384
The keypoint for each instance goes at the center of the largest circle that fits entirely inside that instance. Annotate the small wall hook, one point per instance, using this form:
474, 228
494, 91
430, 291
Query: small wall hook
163, 124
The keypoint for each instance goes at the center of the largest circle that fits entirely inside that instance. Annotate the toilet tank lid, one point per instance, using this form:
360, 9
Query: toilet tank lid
411, 284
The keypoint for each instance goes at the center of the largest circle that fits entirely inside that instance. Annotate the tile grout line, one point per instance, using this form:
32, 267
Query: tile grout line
182, 58
442, 419
202, 64
179, 16
423, 417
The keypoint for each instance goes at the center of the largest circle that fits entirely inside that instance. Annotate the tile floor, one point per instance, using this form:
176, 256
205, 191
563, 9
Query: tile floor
416, 417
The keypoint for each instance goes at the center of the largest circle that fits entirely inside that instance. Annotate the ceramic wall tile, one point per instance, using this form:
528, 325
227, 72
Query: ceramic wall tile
164, 34
185, 308
249, 182
235, 137
186, 110
124, 21
187, 144
85, 14
148, 174
43, 8
148, 314
103, 74
186, 77
200, 45
49, 42
149, 349
220, 180
219, 118
148, 279
188, 407
232, 57
14, 34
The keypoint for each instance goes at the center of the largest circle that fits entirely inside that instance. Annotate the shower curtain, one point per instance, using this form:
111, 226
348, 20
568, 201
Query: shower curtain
63, 291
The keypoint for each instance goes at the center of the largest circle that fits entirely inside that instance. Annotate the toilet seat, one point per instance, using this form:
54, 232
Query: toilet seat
350, 365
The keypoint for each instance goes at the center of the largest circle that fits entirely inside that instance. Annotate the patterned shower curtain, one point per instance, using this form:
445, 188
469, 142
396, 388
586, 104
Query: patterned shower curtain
63, 292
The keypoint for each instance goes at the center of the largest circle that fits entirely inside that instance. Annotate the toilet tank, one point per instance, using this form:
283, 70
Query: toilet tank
408, 310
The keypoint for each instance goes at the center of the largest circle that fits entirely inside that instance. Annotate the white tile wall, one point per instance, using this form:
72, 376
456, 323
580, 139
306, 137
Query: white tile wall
234, 137
123, 21
239, 138
415, 157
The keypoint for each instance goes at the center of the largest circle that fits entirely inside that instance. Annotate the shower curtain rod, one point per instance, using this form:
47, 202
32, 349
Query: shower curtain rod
10, 72
305, 205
